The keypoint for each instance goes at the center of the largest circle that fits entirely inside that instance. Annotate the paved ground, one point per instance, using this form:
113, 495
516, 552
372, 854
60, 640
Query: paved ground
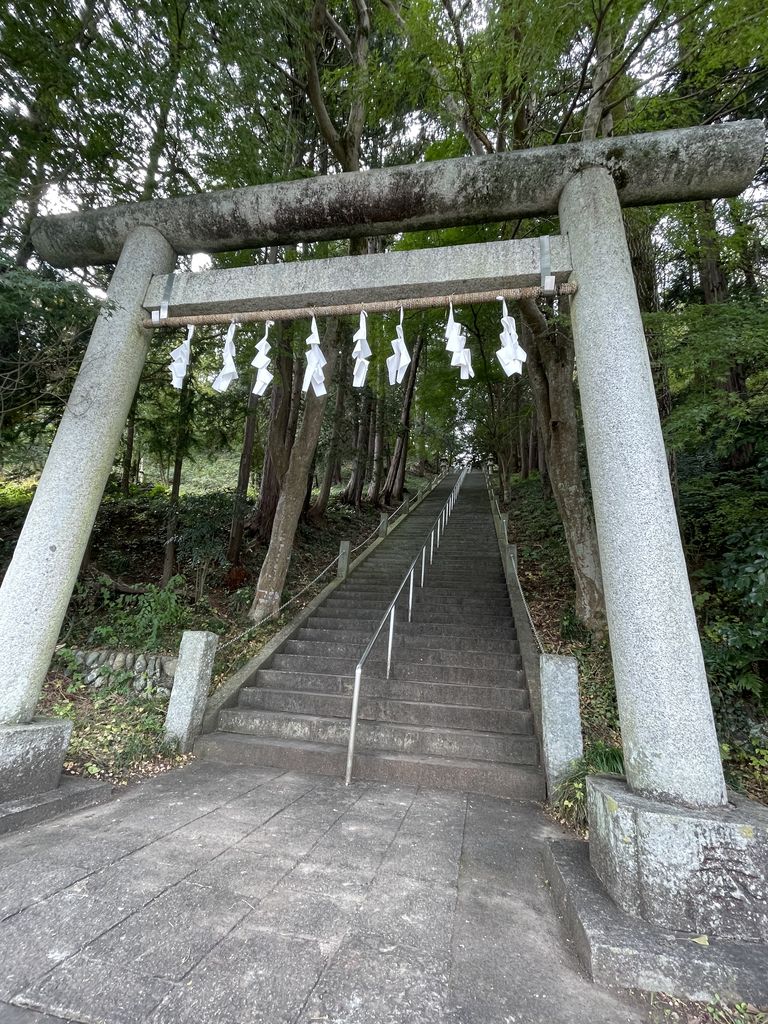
224, 895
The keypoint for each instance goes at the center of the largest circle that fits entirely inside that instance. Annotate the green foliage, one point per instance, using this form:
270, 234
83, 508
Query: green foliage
144, 622
570, 800
714, 412
732, 603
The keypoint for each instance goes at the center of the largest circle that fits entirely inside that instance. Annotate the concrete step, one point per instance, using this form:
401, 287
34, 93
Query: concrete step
404, 739
421, 642
513, 697
400, 712
515, 782
411, 654
402, 668
372, 616
447, 587
424, 603
474, 630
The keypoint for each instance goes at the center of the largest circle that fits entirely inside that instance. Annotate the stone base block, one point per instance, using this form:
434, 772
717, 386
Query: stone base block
31, 756
69, 796
619, 951
681, 869
190, 687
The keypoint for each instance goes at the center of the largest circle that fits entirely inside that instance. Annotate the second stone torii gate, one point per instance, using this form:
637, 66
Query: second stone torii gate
671, 751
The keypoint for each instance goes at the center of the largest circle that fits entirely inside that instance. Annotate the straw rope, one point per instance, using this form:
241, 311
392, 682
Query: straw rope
350, 309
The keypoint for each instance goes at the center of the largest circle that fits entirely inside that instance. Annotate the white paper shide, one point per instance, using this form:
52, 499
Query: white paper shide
511, 355
456, 344
228, 371
398, 362
180, 360
315, 362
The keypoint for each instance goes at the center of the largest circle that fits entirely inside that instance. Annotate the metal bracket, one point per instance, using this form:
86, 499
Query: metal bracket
548, 286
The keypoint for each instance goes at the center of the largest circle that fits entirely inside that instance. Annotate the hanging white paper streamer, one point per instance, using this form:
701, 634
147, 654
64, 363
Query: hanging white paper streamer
228, 371
398, 362
315, 362
456, 344
361, 351
261, 362
180, 360
511, 355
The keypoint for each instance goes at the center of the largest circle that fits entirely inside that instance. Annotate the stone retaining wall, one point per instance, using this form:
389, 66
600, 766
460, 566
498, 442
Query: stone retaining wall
148, 670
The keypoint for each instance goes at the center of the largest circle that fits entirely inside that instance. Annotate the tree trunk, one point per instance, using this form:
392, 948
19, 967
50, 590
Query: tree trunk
550, 370
525, 466
361, 455
374, 491
237, 528
533, 454
317, 511
277, 561
714, 283
182, 431
546, 486
279, 438
130, 434
392, 490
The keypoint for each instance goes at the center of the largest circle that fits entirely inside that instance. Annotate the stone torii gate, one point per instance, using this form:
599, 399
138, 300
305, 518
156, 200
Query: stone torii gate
646, 834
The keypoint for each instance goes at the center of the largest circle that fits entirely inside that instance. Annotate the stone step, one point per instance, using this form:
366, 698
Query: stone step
404, 739
420, 642
513, 697
400, 712
515, 782
402, 668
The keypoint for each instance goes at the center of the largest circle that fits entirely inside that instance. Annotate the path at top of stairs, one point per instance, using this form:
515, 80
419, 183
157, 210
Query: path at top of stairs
454, 713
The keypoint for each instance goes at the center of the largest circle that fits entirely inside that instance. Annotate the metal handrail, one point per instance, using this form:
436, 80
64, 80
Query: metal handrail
436, 529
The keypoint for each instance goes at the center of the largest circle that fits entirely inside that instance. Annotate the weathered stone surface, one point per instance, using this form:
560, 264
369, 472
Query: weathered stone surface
31, 756
621, 951
191, 684
69, 795
700, 871
693, 163
445, 270
668, 731
172, 892
38, 585
561, 719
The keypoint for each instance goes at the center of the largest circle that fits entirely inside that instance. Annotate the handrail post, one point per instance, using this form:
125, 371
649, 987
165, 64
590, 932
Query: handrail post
391, 637
353, 724
410, 597
431, 545
345, 547
423, 561
383, 521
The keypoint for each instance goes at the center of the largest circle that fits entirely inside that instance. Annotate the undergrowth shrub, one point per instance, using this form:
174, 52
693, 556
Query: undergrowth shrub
141, 621
570, 801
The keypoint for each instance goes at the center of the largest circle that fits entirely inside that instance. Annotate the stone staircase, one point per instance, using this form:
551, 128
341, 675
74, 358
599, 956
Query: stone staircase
454, 713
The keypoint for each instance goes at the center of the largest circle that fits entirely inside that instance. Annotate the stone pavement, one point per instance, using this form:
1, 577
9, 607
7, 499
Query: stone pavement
228, 895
